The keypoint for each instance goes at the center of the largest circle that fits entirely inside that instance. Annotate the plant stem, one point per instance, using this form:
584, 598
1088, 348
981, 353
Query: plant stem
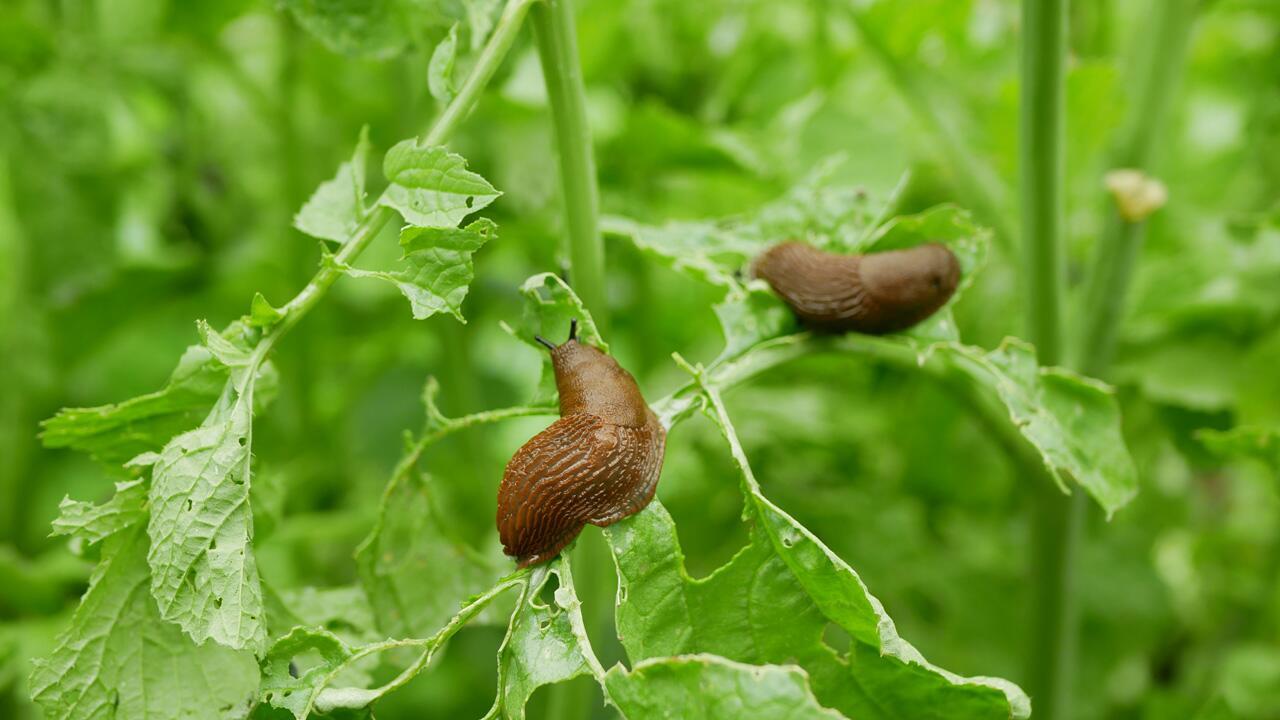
1158, 73
553, 31
552, 22
1056, 518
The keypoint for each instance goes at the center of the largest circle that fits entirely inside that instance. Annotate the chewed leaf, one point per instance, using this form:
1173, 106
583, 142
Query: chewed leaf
708, 687
152, 668
90, 523
204, 574
431, 187
437, 270
1073, 421
414, 573
115, 433
549, 308
545, 644
280, 688
311, 670
771, 604
336, 208
370, 28
750, 317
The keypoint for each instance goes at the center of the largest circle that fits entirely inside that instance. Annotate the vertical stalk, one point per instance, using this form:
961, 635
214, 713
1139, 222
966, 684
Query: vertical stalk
554, 34
14, 433
1056, 518
553, 30
1158, 72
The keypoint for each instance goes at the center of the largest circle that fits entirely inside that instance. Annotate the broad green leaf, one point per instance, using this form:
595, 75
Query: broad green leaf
204, 574
336, 209
370, 28
431, 187
439, 269
324, 661
707, 687
550, 306
115, 433
771, 604
415, 574
440, 70
89, 523
1073, 421
545, 644
120, 660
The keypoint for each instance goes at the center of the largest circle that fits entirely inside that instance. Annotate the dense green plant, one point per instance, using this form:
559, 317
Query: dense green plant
222, 581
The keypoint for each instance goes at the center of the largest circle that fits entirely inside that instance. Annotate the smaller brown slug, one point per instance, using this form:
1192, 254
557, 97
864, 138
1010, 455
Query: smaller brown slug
597, 464
875, 294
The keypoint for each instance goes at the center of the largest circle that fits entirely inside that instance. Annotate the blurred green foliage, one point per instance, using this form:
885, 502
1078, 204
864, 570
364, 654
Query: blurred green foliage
153, 154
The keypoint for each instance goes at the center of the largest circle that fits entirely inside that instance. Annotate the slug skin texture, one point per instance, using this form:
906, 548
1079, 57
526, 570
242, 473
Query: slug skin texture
597, 464
875, 294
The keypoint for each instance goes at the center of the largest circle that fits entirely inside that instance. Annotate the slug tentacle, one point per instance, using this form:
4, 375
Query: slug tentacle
597, 464
877, 293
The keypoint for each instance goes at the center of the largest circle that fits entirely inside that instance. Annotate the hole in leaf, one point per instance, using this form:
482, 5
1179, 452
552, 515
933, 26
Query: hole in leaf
189, 505
217, 602
242, 440
545, 624
837, 638
471, 201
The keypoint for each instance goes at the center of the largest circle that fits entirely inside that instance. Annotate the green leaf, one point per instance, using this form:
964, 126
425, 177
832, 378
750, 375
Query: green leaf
281, 689
336, 209
262, 314
90, 523
414, 573
1073, 421
750, 317
431, 187
835, 218
440, 269
771, 604
707, 687
115, 433
119, 659
440, 69
369, 28
204, 574
549, 307
1250, 442
545, 643
324, 660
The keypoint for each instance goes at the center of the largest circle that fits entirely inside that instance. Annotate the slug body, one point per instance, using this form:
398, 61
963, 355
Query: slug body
597, 464
876, 293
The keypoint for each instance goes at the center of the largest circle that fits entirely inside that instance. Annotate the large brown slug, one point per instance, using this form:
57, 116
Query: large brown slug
877, 293
597, 464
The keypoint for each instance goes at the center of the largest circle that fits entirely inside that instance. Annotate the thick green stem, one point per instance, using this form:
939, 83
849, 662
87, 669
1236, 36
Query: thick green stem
552, 22
1056, 518
554, 34
1158, 72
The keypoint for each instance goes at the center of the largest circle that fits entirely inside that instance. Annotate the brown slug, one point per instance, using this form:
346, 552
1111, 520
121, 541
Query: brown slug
597, 464
876, 293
